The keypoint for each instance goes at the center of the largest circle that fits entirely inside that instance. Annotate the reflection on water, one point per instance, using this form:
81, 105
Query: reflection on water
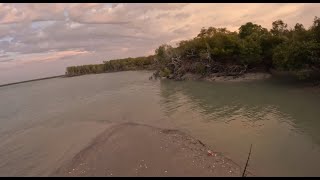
282, 124
43, 124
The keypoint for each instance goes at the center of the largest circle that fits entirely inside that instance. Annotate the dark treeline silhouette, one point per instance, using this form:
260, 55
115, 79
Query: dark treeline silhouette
126, 64
218, 50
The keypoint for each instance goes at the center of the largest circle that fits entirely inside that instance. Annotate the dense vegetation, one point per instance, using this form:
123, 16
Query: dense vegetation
138, 63
253, 48
218, 50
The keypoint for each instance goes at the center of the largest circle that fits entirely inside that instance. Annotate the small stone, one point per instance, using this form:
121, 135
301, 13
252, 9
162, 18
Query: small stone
165, 171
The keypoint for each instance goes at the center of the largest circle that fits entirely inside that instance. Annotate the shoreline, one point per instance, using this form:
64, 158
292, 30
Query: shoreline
221, 78
31, 80
214, 77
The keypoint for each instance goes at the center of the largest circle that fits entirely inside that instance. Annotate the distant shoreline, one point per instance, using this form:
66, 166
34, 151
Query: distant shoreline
38, 79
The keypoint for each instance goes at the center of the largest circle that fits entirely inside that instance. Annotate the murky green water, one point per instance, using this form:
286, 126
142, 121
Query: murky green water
44, 123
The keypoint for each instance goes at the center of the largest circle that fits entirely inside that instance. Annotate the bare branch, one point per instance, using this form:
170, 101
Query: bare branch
245, 168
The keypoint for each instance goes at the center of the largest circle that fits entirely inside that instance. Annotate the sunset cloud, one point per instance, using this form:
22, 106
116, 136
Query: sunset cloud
7, 61
115, 30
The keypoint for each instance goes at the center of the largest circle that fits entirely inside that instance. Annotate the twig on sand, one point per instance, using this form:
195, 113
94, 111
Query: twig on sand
245, 167
201, 143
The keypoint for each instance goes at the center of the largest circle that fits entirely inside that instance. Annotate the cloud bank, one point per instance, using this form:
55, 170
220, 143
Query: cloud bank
38, 32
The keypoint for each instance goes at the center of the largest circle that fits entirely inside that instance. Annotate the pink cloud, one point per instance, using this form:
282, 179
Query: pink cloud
21, 59
49, 56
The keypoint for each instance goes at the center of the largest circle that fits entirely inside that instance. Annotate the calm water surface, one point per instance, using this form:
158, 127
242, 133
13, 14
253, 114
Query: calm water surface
44, 123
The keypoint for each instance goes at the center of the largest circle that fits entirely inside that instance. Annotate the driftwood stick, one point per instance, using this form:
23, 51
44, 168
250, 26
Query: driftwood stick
245, 167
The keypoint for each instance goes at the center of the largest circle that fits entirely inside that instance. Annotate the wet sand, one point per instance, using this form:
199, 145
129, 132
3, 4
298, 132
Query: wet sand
131, 149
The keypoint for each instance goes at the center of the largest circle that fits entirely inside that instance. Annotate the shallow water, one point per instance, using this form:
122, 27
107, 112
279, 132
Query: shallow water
45, 123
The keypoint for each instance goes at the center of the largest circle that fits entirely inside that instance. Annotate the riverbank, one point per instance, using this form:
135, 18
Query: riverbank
312, 83
38, 79
220, 78
131, 149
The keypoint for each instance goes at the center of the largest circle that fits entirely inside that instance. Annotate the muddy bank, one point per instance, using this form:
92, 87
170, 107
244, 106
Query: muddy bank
131, 149
221, 78
31, 80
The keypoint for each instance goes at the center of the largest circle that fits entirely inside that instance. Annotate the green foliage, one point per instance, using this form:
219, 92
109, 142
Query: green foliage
125, 64
250, 51
294, 49
218, 50
165, 72
315, 29
279, 28
163, 55
297, 56
250, 28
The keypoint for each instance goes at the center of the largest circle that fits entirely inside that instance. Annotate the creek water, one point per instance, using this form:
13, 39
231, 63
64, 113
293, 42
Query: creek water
45, 123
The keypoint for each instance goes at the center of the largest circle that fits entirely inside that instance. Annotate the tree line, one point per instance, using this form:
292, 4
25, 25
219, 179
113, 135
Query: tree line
217, 50
252, 48
126, 64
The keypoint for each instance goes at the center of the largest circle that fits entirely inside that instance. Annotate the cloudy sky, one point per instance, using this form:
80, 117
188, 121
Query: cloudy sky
38, 40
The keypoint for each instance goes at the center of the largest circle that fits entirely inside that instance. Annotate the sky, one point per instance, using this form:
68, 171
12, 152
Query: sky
40, 40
